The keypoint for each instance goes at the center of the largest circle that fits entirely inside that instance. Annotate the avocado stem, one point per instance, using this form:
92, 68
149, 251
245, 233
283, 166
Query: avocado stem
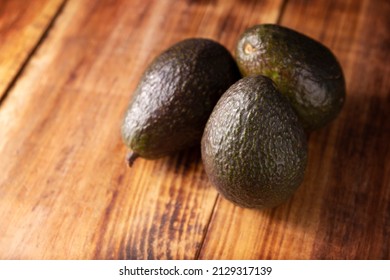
131, 157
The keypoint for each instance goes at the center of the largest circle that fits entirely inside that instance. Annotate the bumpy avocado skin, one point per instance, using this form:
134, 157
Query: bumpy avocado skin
175, 97
254, 148
303, 69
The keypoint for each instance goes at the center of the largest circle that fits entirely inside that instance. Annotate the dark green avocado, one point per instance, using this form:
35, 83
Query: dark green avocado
175, 97
254, 147
303, 69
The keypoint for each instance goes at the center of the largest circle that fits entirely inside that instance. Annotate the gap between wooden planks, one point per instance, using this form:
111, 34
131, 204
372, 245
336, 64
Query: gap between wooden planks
23, 26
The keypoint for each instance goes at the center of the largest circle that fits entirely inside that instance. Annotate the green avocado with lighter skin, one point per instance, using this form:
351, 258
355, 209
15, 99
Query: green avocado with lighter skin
254, 147
175, 97
304, 70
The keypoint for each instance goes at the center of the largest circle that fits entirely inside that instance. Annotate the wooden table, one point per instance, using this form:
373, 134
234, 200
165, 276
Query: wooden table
67, 72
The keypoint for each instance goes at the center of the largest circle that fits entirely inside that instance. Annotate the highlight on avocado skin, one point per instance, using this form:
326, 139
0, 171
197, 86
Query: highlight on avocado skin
304, 70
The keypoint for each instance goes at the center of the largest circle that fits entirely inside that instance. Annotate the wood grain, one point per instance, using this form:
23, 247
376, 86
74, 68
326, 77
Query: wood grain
22, 25
342, 211
65, 190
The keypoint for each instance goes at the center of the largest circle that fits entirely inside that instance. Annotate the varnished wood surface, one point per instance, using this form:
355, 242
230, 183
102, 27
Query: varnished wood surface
22, 25
66, 192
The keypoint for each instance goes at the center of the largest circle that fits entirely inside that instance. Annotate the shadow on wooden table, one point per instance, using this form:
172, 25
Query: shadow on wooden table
344, 202
184, 161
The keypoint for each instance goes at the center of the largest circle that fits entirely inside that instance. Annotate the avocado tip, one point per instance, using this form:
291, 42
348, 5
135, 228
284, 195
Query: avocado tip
131, 157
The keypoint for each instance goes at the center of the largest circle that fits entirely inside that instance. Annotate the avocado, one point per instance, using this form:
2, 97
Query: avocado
303, 69
254, 147
175, 97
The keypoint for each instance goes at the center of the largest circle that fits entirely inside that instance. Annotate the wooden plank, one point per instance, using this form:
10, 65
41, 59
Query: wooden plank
22, 24
65, 190
342, 210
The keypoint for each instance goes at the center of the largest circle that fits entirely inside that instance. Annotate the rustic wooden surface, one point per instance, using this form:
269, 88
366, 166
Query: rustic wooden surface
67, 72
22, 25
